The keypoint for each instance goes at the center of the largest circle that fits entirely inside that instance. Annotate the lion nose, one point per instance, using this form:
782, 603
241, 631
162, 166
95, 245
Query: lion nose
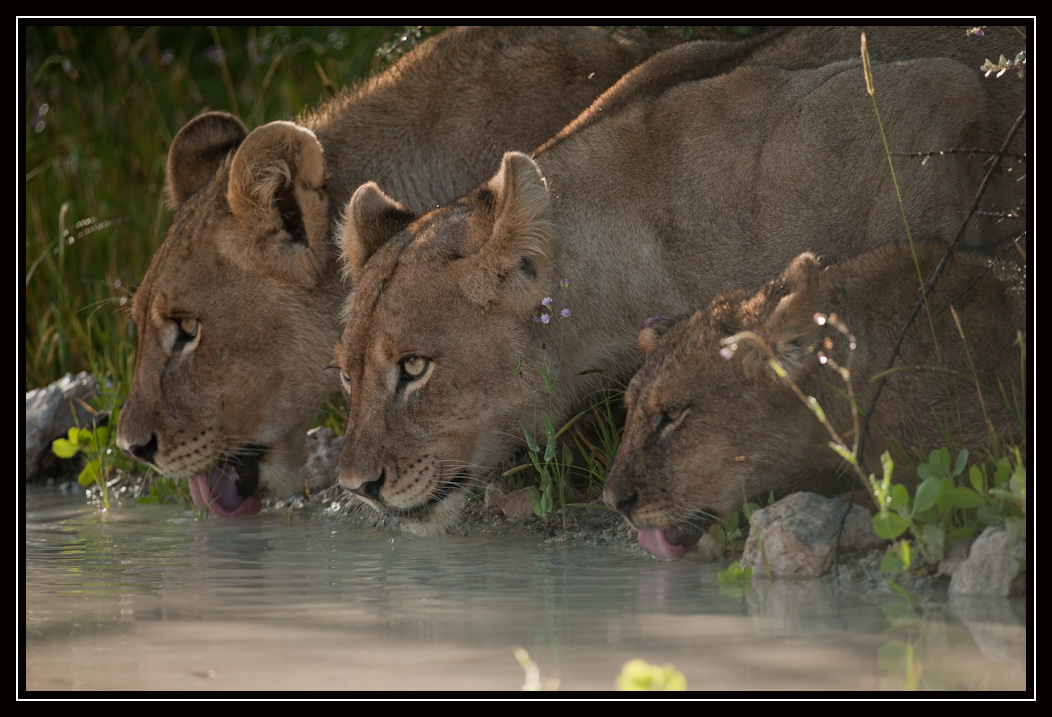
365, 488
621, 503
145, 452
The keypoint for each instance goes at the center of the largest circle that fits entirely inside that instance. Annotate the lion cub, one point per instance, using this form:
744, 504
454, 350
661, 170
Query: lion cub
710, 424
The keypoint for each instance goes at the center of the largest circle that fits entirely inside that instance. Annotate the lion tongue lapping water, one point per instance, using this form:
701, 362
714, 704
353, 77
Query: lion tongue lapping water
217, 492
657, 544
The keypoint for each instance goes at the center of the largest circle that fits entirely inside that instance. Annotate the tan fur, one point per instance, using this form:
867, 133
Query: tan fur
705, 432
660, 197
249, 254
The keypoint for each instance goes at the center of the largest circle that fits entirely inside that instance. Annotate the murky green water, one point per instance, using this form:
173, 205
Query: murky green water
151, 598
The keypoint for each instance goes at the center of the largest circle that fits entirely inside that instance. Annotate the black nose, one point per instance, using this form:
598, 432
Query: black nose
145, 452
623, 505
371, 489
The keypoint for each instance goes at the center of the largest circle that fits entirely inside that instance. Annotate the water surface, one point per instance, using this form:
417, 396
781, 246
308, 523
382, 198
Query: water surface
154, 598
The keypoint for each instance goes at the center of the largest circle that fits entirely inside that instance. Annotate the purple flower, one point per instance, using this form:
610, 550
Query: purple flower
565, 283
546, 301
565, 313
545, 318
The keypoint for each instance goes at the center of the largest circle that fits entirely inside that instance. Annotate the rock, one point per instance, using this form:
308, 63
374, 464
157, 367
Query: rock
517, 505
795, 536
995, 566
323, 456
997, 624
50, 413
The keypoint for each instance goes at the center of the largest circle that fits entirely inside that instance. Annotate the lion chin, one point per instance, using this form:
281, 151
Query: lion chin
437, 516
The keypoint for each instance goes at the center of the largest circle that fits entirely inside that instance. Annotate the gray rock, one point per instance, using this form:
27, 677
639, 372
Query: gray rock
795, 536
995, 566
50, 413
323, 456
516, 505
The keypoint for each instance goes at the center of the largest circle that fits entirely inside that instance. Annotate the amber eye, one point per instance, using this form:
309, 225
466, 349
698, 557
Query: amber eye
187, 333
189, 328
413, 367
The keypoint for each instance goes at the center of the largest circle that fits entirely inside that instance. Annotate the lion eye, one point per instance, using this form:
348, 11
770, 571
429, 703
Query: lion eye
189, 328
413, 367
188, 331
670, 418
345, 379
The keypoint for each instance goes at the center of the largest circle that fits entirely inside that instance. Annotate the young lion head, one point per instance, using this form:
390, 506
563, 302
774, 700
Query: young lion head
712, 418
704, 433
224, 314
438, 331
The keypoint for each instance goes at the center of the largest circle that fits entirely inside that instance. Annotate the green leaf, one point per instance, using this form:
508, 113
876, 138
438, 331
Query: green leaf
64, 448
933, 542
637, 675
530, 443
900, 498
891, 563
927, 494
537, 464
962, 463
989, 515
549, 429
964, 498
734, 573
904, 553
90, 475
977, 478
964, 532
890, 526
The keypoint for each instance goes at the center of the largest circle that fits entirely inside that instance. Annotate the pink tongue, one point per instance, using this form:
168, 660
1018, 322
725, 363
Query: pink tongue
217, 492
653, 541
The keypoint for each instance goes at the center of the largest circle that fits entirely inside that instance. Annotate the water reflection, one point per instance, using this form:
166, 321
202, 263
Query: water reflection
152, 598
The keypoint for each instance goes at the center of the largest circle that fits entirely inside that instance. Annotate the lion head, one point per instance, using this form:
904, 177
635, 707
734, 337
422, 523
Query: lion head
725, 408
228, 337
438, 355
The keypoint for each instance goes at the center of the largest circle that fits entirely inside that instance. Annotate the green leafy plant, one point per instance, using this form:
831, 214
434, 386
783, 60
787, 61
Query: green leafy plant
96, 445
952, 502
735, 579
639, 675
730, 536
553, 466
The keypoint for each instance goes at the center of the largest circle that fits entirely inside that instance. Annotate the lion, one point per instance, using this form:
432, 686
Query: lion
711, 424
239, 309
657, 199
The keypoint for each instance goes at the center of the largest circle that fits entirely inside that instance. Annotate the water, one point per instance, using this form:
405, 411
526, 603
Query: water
152, 598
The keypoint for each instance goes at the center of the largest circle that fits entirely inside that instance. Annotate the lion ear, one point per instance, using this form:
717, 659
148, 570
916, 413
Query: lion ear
787, 319
653, 329
198, 151
510, 261
369, 221
277, 193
